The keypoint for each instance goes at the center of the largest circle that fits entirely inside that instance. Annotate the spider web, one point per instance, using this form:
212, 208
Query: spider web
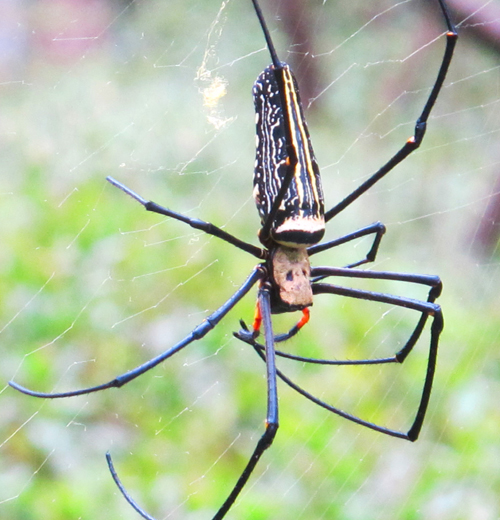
157, 94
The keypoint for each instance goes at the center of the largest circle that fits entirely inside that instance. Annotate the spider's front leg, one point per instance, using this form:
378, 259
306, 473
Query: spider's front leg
271, 423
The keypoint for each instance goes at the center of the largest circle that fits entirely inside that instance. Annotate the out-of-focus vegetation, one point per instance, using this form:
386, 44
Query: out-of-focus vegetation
92, 285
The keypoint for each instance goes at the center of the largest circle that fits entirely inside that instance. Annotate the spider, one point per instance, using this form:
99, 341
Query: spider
289, 198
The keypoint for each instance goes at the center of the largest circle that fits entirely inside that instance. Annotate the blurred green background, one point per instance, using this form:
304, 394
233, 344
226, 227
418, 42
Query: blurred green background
92, 285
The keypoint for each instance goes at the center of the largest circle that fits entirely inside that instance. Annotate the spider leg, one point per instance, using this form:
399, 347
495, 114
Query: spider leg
333, 409
270, 428
420, 279
413, 142
435, 290
346, 272
199, 332
427, 308
246, 336
195, 223
124, 492
295, 329
272, 404
376, 228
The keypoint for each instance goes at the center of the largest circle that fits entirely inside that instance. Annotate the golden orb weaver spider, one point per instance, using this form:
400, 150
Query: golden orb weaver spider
289, 198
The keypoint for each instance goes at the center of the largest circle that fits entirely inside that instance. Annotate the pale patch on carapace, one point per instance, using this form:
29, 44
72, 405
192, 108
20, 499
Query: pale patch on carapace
291, 273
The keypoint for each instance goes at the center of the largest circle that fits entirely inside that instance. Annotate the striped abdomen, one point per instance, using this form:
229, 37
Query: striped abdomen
299, 221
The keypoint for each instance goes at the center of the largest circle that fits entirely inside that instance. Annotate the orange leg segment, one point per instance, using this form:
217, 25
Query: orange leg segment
257, 320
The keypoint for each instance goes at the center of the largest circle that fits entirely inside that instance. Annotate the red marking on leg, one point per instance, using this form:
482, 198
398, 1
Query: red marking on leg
257, 319
304, 319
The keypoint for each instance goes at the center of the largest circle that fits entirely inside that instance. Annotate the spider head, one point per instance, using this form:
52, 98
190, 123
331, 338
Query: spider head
290, 273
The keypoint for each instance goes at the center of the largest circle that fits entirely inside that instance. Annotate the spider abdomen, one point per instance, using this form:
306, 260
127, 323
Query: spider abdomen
299, 221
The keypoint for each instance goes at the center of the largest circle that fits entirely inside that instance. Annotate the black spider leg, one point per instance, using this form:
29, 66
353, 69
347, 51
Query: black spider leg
195, 223
435, 290
267, 35
271, 425
123, 491
246, 333
376, 228
199, 332
271, 419
433, 282
429, 308
413, 142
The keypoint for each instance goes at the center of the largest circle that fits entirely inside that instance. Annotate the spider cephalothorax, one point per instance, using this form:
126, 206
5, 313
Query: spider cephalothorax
291, 275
